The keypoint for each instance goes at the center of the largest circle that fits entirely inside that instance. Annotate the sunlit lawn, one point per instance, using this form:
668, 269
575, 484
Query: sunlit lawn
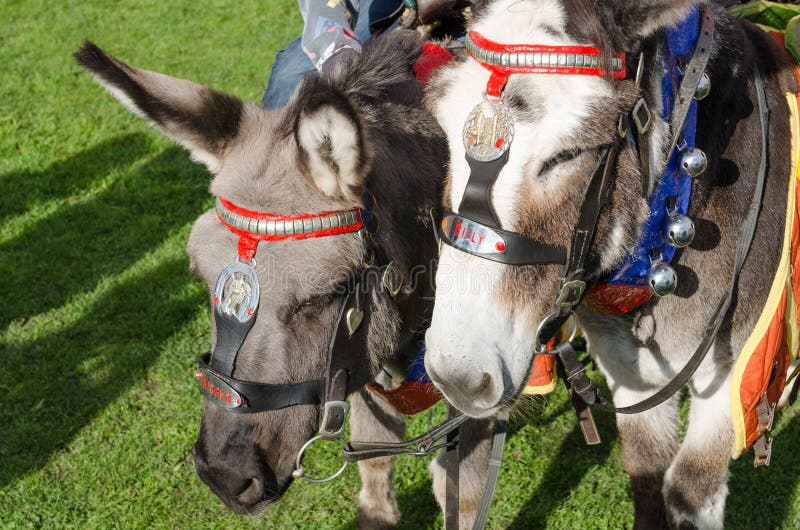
100, 321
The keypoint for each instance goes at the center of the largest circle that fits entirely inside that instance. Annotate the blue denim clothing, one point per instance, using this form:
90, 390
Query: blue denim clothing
290, 67
292, 63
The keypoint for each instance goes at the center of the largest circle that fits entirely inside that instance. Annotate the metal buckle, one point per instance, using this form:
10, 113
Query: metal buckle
326, 413
622, 127
642, 116
570, 294
541, 349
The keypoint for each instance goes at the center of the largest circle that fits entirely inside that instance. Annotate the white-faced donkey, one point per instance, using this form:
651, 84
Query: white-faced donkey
585, 136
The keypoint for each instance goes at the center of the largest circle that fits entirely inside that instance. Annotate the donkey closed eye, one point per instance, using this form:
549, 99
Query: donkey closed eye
314, 304
561, 158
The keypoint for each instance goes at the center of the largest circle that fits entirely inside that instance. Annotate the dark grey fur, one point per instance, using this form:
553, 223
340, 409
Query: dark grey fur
259, 163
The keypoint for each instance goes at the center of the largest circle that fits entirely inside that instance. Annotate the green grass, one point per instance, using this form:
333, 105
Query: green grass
100, 321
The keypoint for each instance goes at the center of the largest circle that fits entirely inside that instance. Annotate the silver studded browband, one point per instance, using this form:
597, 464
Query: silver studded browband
294, 227
536, 59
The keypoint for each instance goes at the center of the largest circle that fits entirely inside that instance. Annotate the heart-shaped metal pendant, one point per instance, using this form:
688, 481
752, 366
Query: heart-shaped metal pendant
392, 279
353, 319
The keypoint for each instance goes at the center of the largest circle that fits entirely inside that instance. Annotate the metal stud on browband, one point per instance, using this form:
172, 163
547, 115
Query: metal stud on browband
269, 227
537, 60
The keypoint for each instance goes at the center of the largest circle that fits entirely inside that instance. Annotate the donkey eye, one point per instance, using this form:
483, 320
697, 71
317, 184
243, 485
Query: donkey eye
315, 302
560, 158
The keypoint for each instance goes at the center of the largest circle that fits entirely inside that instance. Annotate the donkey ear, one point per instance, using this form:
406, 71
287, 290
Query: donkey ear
642, 18
202, 120
330, 137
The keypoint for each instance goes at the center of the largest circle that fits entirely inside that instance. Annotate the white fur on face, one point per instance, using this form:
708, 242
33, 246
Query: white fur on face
471, 328
329, 137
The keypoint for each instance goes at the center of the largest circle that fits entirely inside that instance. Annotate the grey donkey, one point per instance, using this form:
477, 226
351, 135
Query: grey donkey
361, 128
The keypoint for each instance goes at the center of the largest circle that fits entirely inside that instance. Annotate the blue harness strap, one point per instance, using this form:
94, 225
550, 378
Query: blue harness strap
671, 193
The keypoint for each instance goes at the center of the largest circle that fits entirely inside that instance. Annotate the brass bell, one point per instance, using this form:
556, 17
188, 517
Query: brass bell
694, 162
662, 279
703, 87
680, 230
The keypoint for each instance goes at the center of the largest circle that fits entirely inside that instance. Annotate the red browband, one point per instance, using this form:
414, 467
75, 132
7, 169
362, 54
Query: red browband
252, 227
503, 60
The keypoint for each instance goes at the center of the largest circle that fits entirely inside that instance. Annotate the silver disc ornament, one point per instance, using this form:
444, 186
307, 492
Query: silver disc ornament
237, 291
489, 130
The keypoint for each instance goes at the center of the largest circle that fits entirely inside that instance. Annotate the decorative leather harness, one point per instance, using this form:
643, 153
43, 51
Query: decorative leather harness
236, 302
488, 134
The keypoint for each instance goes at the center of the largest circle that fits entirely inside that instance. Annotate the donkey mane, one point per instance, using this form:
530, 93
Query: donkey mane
403, 145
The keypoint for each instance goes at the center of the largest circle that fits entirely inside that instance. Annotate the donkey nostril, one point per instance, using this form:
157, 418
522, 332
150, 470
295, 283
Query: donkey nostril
486, 383
252, 493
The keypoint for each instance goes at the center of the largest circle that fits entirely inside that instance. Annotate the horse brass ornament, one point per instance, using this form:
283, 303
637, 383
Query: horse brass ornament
662, 279
680, 231
489, 130
237, 291
694, 162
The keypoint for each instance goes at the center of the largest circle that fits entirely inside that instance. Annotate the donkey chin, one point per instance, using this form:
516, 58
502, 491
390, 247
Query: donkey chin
476, 375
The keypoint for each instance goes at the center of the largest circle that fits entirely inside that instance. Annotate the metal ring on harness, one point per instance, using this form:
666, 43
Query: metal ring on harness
300, 470
542, 348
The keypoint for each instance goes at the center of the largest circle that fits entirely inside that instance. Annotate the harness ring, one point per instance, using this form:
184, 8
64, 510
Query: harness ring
300, 470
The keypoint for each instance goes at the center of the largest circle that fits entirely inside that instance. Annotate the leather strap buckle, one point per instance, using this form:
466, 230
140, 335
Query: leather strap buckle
763, 450
642, 116
570, 294
333, 417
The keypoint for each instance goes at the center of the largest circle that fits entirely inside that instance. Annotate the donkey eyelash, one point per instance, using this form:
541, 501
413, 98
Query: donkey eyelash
314, 302
560, 158
321, 300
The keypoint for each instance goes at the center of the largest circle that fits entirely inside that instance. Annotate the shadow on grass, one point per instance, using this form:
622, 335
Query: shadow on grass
23, 189
566, 469
55, 382
762, 497
418, 506
69, 251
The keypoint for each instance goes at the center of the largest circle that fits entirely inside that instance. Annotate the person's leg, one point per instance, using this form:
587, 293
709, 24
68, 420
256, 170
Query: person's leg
290, 67
370, 12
